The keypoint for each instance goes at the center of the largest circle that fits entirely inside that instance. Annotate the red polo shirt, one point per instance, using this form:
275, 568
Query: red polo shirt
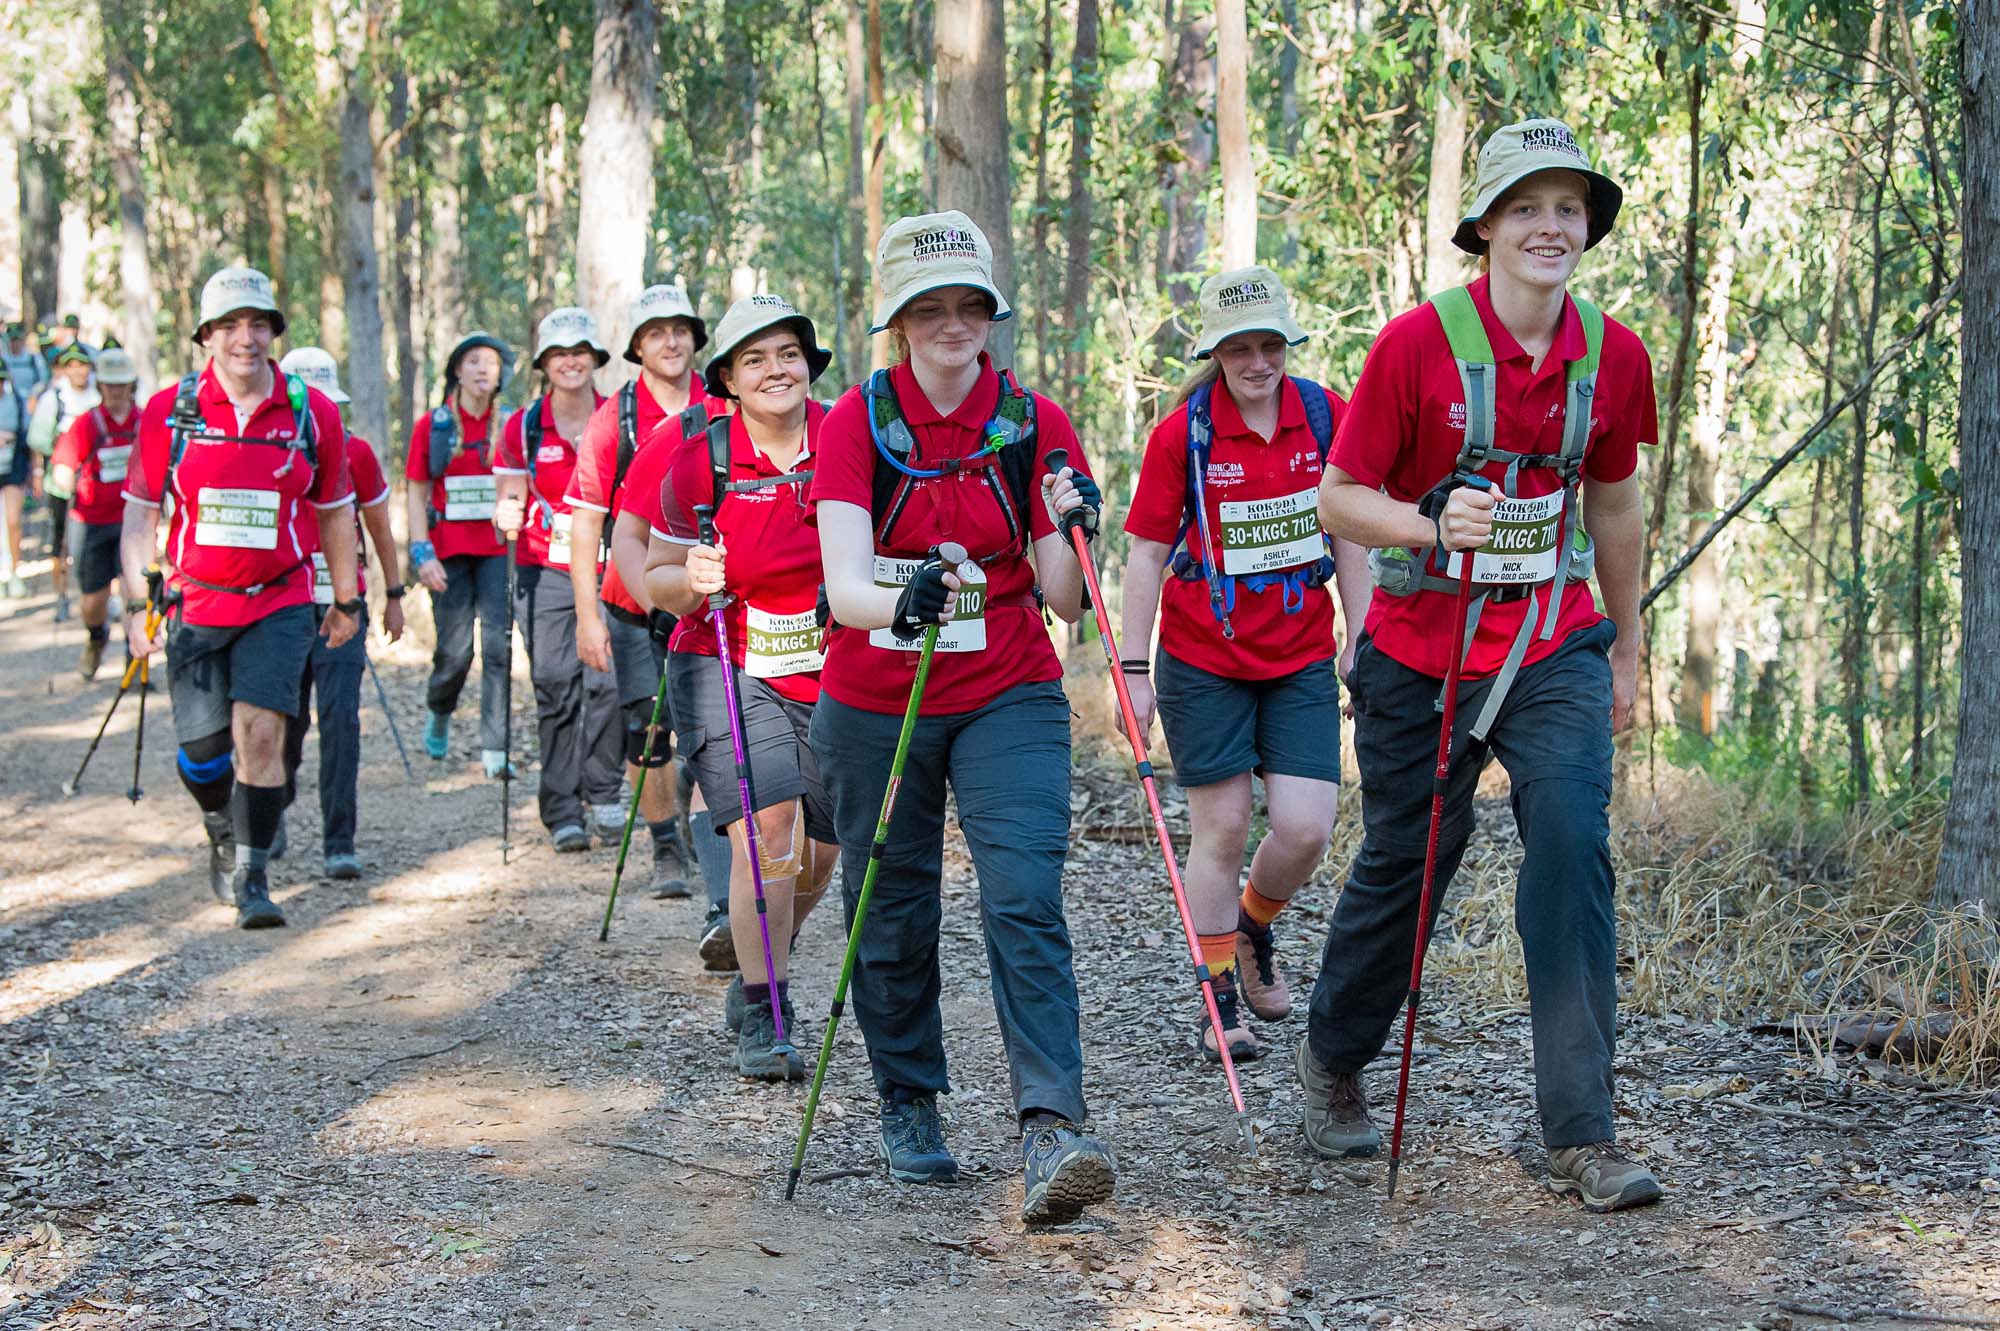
466, 489
1281, 476
1406, 424
370, 488
241, 511
593, 484
545, 531
99, 451
861, 670
773, 572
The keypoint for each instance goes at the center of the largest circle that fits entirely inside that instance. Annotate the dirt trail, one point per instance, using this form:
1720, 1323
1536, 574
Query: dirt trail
437, 1101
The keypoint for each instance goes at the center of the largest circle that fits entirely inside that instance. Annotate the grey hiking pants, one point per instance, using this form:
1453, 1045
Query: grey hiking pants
475, 589
577, 718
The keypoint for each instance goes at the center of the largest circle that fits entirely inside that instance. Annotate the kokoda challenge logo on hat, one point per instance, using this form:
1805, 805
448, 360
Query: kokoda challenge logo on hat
242, 284
947, 242
1243, 295
1551, 138
768, 302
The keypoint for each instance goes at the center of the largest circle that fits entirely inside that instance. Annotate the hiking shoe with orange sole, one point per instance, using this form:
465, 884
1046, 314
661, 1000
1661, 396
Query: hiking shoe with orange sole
1244, 1046
1263, 984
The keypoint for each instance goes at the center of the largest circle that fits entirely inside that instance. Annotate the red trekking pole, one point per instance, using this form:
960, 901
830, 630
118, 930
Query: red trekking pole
1055, 460
1439, 779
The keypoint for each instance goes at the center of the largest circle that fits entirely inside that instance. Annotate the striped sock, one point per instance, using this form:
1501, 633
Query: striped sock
1259, 909
1218, 951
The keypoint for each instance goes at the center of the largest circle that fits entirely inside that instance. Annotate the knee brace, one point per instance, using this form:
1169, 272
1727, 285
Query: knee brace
208, 770
638, 716
790, 861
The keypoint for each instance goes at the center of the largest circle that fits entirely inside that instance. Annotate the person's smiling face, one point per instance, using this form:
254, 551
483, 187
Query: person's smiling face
666, 348
1536, 231
1253, 364
569, 368
947, 329
240, 342
768, 375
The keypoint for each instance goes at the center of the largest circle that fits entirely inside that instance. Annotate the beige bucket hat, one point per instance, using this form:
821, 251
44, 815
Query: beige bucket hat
758, 314
566, 328
1245, 300
315, 368
1513, 153
926, 253
231, 289
666, 300
115, 365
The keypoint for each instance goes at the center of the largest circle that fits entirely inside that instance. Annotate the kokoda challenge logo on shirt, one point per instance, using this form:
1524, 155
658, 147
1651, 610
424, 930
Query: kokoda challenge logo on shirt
237, 519
947, 242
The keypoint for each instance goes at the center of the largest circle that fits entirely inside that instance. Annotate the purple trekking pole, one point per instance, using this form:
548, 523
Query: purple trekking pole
718, 604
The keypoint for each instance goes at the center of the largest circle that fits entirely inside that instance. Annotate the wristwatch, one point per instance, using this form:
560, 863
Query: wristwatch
394, 593
353, 607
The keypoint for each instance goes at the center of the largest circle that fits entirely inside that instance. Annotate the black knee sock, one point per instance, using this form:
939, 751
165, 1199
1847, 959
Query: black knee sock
255, 813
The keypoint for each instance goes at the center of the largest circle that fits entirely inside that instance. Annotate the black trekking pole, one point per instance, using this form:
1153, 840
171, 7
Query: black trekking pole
394, 733
507, 718
953, 556
69, 787
632, 810
139, 735
134, 672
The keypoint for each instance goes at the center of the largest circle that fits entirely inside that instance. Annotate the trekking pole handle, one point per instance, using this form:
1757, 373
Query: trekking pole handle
704, 519
1055, 460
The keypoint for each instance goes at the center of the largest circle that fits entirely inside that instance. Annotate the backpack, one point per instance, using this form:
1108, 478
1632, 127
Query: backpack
1009, 451
187, 424
1181, 559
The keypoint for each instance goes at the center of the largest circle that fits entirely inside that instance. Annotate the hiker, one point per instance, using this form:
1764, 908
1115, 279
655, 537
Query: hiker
756, 547
89, 463
24, 364
632, 634
250, 457
456, 551
1227, 504
73, 392
333, 674
904, 464
1514, 381
16, 470
576, 705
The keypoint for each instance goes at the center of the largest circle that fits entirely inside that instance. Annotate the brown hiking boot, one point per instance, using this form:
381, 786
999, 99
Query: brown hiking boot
1243, 1045
1264, 987
1337, 1122
1602, 1175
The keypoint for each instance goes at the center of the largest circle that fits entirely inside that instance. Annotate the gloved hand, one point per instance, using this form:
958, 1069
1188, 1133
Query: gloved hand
924, 599
661, 625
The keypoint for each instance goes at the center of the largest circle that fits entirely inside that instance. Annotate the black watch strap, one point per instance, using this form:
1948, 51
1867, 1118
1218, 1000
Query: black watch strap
353, 607
394, 593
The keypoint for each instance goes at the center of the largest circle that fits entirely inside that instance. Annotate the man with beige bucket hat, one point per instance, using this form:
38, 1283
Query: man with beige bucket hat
1499, 421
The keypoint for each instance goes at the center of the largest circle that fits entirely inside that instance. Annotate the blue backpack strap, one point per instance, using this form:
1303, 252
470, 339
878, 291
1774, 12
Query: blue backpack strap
1319, 415
443, 440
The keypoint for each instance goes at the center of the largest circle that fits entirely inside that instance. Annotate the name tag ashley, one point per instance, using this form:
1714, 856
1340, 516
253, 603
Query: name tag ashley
1266, 535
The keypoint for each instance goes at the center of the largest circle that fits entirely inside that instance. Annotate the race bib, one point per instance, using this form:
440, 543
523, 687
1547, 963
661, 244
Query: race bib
559, 541
1266, 535
1525, 545
470, 498
113, 462
967, 630
322, 580
237, 519
775, 645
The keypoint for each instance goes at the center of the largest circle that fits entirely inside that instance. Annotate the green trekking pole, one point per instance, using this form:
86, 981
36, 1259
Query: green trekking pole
632, 811
875, 850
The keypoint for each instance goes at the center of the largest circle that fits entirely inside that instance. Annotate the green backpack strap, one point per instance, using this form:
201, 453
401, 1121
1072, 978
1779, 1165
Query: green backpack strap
1477, 371
1582, 376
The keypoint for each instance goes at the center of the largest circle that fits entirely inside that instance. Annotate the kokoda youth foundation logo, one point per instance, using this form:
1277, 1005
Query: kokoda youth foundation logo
1455, 416
1242, 294
948, 242
1551, 138
1225, 474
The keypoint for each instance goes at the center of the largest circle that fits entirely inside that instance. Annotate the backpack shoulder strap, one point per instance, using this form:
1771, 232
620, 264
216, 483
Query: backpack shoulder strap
303, 421
1319, 414
1582, 391
1015, 417
891, 436
444, 438
716, 433
531, 436
628, 432
1477, 372
1593, 338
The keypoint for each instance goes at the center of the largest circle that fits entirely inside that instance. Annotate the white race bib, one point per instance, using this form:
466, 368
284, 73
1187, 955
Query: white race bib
322, 580
238, 519
775, 645
1525, 545
112, 463
559, 541
967, 630
470, 498
1266, 535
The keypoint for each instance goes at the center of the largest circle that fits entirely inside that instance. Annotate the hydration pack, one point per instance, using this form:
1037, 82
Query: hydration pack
1006, 463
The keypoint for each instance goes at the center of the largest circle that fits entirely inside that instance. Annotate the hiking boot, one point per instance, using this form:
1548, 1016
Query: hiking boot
1337, 1122
1244, 1046
733, 1004
254, 907
1063, 1170
437, 735
280, 841
344, 865
91, 658
496, 764
221, 855
1603, 1176
16, 587
718, 946
913, 1140
670, 866
62, 609
757, 1054
1264, 987
570, 839
609, 818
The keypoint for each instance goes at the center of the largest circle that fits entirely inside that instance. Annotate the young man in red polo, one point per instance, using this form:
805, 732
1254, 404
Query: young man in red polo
1514, 381
251, 460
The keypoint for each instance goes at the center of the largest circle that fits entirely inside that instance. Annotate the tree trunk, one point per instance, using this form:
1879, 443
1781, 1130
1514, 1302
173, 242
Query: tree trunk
402, 265
361, 274
1232, 134
1696, 709
1288, 117
138, 323
444, 253
615, 176
1038, 251
878, 141
854, 281
1083, 90
1860, 597
1969, 867
10, 216
1184, 166
1443, 261
1690, 296
971, 135
41, 228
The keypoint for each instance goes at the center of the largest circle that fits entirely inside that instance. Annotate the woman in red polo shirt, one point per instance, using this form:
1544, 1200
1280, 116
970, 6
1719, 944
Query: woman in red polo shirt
1246, 680
90, 462
945, 447
763, 553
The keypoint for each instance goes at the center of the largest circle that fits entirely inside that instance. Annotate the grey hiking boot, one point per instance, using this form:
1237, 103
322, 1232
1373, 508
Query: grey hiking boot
757, 1054
1063, 1170
1603, 1176
1337, 1122
913, 1141
733, 1004
718, 945
221, 855
254, 907
570, 839
670, 866
344, 865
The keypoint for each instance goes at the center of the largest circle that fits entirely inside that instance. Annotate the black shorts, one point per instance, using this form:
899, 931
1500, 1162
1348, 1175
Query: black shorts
782, 765
635, 658
209, 669
1217, 727
17, 469
96, 555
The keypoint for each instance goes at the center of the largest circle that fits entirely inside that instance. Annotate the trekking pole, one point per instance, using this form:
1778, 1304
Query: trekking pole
718, 607
139, 735
69, 787
1055, 460
507, 719
952, 555
133, 667
394, 733
1449, 707
632, 809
